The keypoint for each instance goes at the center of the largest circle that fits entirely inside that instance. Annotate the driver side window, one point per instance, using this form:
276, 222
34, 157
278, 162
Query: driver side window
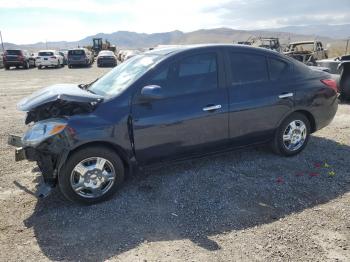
192, 74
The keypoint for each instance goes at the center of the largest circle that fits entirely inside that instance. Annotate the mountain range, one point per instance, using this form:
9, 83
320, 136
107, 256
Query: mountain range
126, 39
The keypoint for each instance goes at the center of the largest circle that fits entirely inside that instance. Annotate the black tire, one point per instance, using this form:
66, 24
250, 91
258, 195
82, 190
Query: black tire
94, 151
278, 145
345, 86
69, 66
39, 67
7, 68
26, 65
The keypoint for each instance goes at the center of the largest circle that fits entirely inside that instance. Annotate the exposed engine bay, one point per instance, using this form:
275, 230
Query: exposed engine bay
57, 101
57, 109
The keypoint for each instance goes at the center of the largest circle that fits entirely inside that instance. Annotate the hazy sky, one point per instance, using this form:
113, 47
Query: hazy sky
28, 21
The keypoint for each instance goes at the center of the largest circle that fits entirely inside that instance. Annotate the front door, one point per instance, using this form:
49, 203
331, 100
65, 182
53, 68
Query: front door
192, 116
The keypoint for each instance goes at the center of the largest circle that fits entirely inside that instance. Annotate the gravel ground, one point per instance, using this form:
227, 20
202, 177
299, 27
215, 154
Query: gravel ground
247, 205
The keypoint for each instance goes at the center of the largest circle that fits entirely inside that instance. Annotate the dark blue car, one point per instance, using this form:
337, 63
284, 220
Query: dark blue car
167, 105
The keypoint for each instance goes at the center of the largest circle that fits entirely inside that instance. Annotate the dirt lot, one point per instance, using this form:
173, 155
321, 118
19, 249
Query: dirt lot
247, 205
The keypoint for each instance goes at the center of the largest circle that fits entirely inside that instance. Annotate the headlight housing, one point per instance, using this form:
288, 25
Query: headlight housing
43, 130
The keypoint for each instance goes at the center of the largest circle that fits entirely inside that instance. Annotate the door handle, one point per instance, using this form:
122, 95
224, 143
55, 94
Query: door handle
285, 95
211, 108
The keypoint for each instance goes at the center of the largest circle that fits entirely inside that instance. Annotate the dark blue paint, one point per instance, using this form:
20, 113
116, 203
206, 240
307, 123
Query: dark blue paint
148, 130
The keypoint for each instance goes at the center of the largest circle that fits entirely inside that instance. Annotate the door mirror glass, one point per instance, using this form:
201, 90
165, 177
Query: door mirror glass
151, 92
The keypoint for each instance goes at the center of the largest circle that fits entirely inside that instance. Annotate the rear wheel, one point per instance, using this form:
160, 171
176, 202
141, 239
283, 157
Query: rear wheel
91, 175
7, 68
292, 135
26, 65
345, 85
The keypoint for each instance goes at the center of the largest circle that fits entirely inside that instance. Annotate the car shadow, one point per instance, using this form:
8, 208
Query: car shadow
193, 200
81, 66
18, 69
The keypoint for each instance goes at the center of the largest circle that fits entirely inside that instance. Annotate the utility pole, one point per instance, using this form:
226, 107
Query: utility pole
2, 44
347, 45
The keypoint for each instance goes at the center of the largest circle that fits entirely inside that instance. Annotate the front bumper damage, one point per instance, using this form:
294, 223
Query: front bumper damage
43, 159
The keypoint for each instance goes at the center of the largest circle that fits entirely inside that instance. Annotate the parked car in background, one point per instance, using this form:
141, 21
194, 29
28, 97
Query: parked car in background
64, 55
307, 52
106, 58
49, 58
1, 60
80, 57
171, 104
131, 53
271, 43
18, 58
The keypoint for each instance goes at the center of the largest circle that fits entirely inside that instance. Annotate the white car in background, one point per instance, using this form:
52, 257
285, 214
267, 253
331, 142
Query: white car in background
49, 58
130, 53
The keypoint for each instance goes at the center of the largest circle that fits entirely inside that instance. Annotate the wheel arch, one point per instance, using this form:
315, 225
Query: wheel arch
308, 115
116, 148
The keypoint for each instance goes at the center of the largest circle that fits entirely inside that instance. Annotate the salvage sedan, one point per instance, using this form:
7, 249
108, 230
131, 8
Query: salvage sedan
171, 104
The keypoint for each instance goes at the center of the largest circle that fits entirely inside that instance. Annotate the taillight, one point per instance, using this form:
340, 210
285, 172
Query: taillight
331, 83
54, 57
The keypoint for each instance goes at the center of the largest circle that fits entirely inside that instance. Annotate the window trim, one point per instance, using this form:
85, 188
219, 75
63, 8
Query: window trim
175, 61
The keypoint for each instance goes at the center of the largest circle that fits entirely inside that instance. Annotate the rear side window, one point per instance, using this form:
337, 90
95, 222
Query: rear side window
192, 74
197, 65
278, 69
248, 68
45, 53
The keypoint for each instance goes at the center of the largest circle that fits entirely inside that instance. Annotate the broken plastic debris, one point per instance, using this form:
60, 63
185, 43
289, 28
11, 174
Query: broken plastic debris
280, 180
331, 173
317, 165
326, 165
314, 174
174, 214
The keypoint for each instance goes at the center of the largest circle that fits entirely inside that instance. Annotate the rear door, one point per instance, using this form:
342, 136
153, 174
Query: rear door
193, 115
260, 95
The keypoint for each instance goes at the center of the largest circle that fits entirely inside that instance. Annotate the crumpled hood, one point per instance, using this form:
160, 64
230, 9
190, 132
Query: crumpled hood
64, 92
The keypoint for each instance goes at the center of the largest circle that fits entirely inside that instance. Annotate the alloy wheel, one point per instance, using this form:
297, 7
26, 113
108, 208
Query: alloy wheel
294, 135
92, 177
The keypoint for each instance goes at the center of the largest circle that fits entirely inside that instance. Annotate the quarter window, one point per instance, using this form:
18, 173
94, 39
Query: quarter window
248, 68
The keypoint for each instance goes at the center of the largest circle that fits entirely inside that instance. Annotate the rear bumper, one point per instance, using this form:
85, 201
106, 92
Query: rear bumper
78, 62
14, 63
46, 63
106, 62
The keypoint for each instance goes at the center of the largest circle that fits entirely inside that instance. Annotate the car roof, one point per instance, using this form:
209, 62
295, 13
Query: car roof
46, 51
181, 48
303, 42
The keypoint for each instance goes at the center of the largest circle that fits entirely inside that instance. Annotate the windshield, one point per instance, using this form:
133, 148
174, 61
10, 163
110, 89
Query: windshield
13, 52
76, 52
45, 53
122, 76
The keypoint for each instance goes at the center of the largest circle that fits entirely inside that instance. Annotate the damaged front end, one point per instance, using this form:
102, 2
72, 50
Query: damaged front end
48, 138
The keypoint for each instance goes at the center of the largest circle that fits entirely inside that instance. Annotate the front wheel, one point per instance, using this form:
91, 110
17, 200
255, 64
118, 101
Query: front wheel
292, 135
91, 175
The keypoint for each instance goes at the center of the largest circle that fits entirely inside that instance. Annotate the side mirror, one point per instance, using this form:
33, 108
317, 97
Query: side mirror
151, 92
